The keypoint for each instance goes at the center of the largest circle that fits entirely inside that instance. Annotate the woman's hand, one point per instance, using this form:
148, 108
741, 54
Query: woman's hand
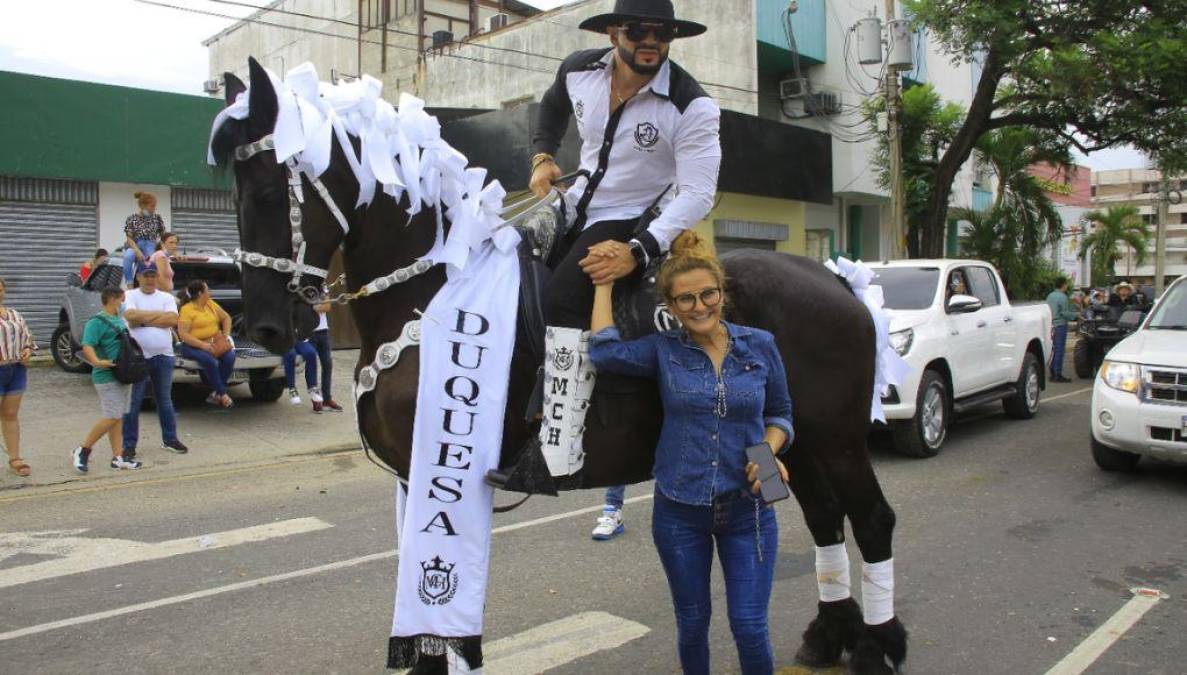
208, 347
25, 354
752, 475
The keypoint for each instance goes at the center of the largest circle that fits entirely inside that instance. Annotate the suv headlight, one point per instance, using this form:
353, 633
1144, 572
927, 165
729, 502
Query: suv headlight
901, 341
1122, 376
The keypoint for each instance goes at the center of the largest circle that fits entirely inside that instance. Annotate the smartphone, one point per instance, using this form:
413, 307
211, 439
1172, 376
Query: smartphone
773, 488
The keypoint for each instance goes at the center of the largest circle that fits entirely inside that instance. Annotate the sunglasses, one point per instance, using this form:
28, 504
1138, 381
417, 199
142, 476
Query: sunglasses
637, 32
710, 297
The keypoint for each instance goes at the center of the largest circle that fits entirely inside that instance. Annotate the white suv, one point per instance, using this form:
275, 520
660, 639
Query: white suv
1139, 400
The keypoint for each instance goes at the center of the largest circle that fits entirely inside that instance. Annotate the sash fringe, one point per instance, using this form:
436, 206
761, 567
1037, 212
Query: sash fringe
405, 652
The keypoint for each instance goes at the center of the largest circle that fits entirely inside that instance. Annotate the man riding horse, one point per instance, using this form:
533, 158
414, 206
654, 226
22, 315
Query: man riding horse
648, 130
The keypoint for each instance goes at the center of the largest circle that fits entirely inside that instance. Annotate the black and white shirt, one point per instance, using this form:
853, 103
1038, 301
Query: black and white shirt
667, 134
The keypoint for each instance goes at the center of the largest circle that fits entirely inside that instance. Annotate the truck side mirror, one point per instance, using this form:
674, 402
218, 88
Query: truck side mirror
73, 279
1130, 318
963, 304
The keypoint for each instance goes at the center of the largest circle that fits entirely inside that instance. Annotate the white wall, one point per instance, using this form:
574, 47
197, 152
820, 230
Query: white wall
116, 203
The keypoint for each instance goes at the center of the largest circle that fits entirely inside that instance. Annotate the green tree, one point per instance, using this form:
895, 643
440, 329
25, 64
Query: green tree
1099, 73
1116, 227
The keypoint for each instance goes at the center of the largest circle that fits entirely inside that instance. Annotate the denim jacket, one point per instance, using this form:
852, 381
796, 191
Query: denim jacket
701, 454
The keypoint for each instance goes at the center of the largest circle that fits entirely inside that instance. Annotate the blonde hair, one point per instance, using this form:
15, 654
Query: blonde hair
689, 252
145, 199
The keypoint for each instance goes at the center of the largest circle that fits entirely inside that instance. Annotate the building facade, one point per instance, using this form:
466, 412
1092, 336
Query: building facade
456, 54
1141, 188
75, 152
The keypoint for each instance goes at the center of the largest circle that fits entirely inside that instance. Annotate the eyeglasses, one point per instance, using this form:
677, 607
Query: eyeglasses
710, 297
636, 32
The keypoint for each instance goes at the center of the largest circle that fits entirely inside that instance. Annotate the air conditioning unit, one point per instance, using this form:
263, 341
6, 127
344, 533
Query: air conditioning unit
792, 88
825, 103
210, 86
442, 38
498, 21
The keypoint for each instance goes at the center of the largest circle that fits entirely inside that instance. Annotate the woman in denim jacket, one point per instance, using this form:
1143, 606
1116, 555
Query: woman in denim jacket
723, 389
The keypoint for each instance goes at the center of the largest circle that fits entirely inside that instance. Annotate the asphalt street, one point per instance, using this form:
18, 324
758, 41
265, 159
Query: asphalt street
1012, 548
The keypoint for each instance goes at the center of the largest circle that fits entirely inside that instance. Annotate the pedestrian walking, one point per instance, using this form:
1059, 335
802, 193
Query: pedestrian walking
16, 346
101, 349
1061, 313
308, 354
610, 523
160, 261
84, 270
325, 356
724, 389
204, 329
152, 315
142, 233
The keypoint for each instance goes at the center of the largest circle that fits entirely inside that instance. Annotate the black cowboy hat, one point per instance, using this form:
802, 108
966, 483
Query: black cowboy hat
660, 11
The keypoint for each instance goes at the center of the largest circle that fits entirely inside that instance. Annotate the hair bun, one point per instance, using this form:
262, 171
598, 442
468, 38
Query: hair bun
690, 244
138, 195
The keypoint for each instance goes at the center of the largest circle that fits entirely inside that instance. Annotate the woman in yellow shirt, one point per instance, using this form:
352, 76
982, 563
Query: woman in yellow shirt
205, 331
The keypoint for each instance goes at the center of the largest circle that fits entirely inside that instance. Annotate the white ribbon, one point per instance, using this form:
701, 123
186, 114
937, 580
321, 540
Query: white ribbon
889, 368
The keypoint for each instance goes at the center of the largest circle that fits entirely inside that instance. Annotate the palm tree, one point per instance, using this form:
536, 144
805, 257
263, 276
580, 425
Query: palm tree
1117, 226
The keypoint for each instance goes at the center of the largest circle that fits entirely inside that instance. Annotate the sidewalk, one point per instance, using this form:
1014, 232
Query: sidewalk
59, 408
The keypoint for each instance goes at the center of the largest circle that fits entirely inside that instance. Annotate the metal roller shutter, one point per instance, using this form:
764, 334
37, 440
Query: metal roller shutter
205, 219
43, 243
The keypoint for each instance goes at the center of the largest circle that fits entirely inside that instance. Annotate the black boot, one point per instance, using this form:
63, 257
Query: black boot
877, 644
530, 474
835, 629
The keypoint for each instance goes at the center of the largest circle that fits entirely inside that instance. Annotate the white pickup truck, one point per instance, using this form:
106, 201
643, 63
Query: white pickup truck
1139, 401
966, 344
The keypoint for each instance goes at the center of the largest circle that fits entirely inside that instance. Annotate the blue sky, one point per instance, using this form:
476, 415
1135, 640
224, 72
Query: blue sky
135, 44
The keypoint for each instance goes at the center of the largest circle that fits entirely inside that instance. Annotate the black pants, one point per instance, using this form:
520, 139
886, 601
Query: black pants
568, 299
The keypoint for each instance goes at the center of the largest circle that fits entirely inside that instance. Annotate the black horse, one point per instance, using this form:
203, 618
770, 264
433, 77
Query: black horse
825, 334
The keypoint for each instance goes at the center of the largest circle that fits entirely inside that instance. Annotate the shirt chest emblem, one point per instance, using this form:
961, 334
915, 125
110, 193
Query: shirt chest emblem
646, 136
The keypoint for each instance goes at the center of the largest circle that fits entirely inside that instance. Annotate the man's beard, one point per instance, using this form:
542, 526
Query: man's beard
628, 57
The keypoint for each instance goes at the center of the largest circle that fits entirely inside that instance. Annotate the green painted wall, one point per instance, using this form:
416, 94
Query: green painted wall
54, 128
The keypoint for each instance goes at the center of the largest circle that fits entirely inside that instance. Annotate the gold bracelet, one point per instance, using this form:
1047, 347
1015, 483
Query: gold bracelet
540, 158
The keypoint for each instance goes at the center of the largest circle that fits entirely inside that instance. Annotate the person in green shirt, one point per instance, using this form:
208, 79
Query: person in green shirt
1061, 313
101, 348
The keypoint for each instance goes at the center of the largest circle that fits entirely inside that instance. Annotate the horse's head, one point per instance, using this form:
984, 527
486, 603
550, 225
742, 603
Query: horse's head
273, 315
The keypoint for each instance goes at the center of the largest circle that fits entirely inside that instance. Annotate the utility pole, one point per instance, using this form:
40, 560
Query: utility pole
1164, 196
898, 228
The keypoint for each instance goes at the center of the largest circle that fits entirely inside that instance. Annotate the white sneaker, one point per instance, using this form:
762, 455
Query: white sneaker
609, 524
121, 463
294, 397
315, 395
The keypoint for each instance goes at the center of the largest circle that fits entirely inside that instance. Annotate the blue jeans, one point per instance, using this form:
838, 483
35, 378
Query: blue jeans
215, 372
1059, 343
160, 374
307, 352
615, 496
747, 541
325, 354
147, 247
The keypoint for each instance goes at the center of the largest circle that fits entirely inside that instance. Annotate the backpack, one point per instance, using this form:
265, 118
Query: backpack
130, 367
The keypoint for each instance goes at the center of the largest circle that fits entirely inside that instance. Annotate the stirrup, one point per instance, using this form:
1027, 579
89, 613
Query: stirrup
530, 474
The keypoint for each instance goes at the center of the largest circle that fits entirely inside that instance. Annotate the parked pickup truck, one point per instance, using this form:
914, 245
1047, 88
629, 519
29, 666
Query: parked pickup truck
966, 344
1139, 399
254, 365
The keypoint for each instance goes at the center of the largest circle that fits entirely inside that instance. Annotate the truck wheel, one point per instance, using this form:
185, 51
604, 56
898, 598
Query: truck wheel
1024, 404
1082, 360
923, 434
1113, 460
67, 354
266, 391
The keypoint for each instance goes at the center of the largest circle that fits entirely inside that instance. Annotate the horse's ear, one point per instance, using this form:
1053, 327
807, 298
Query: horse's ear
262, 101
234, 87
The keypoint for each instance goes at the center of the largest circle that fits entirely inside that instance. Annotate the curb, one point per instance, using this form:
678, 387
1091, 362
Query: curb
27, 490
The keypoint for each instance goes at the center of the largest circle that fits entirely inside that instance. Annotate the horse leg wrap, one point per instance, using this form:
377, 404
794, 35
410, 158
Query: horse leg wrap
569, 380
877, 591
832, 572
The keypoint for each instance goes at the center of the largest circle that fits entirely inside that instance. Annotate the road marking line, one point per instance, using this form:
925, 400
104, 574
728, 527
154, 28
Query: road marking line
1109, 632
85, 554
556, 643
1069, 395
263, 581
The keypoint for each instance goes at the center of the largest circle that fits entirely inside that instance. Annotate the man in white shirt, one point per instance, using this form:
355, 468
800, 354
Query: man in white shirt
152, 316
650, 136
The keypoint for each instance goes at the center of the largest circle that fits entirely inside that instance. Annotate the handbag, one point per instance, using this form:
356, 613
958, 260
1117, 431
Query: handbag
221, 344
